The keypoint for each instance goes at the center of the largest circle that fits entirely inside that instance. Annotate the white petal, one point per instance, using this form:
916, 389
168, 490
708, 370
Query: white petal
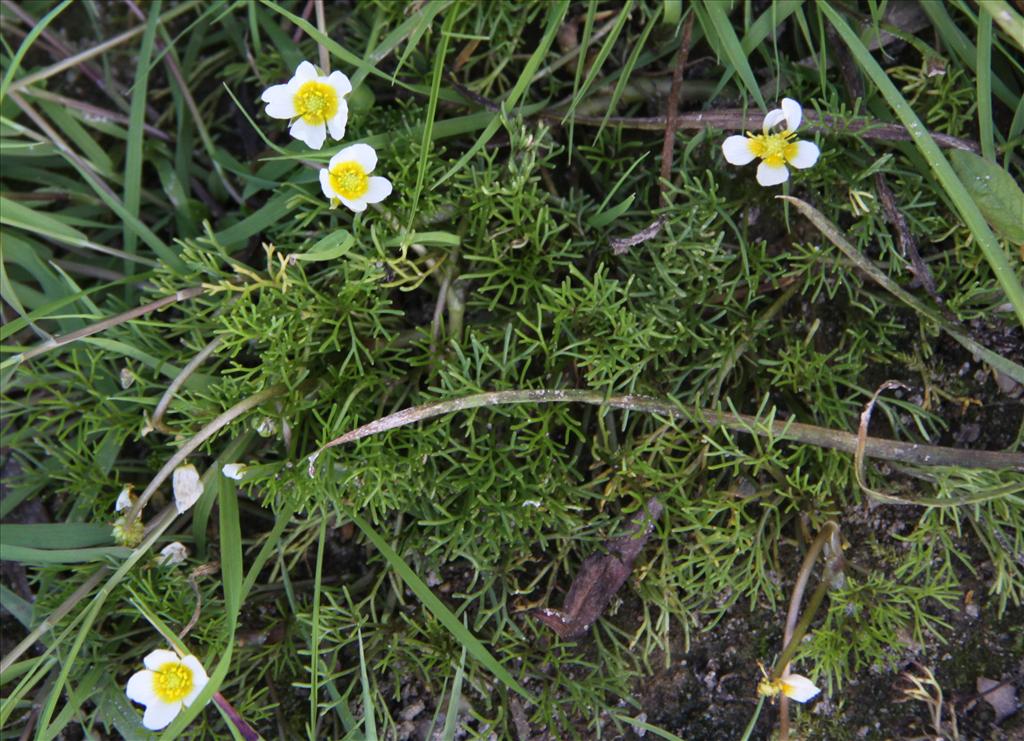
773, 118
358, 205
768, 175
360, 153
187, 487
155, 659
235, 470
124, 500
199, 679
305, 72
280, 100
336, 124
378, 189
806, 155
341, 84
159, 714
325, 185
312, 134
794, 113
140, 688
173, 554
799, 688
737, 150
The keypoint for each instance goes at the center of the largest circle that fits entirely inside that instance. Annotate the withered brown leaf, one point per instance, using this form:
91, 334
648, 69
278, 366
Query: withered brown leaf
600, 577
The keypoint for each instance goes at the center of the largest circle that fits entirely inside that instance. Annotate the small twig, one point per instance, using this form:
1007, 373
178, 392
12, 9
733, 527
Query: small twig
94, 110
307, 11
908, 245
672, 110
321, 26
737, 118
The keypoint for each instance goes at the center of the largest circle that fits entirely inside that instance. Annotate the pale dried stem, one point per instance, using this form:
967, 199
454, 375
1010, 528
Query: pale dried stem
824, 437
156, 421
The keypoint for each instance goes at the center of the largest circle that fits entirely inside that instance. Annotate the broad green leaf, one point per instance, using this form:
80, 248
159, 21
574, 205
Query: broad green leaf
995, 192
25, 554
334, 245
607, 217
58, 535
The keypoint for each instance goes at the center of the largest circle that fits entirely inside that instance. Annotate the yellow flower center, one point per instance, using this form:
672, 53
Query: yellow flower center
316, 102
768, 688
349, 180
173, 681
775, 149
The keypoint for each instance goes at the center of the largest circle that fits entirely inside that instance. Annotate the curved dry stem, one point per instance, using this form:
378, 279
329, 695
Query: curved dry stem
791, 638
891, 450
213, 427
156, 422
104, 324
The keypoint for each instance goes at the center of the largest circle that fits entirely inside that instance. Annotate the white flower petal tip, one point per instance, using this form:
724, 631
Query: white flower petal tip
187, 485
807, 154
794, 113
768, 175
234, 471
165, 686
799, 688
776, 149
125, 499
347, 178
314, 103
737, 150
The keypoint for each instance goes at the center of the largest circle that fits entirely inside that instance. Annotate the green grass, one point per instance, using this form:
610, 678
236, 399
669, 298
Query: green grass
176, 290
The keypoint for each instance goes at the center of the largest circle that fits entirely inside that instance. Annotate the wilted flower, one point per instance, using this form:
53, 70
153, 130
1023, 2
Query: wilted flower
165, 686
775, 149
187, 487
125, 499
234, 470
314, 103
347, 178
173, 554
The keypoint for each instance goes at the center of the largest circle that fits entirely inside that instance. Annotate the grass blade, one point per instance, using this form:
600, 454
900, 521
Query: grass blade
719, 30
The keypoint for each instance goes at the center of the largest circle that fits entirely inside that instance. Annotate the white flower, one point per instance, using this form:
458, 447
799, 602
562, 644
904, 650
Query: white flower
125, 499
234, 471
165, 686
794, 686
173, 554
775, 149
799, 688
315, 102
187, 487
347, 178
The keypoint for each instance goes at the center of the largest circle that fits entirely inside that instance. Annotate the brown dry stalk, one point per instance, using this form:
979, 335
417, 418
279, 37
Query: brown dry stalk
672, 110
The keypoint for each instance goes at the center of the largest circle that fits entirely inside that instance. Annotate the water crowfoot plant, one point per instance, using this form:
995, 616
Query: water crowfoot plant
500, 381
